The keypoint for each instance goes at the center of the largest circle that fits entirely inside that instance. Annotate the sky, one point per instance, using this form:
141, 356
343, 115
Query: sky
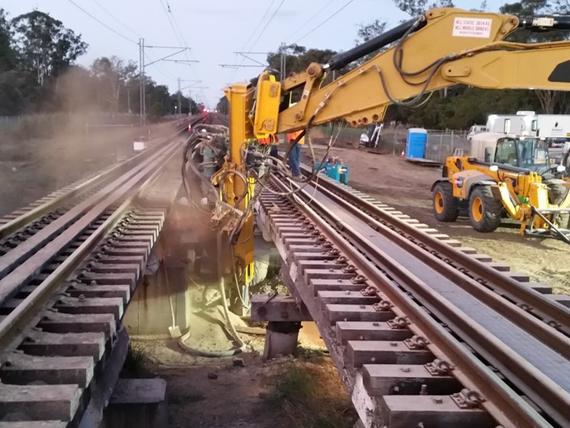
213, 30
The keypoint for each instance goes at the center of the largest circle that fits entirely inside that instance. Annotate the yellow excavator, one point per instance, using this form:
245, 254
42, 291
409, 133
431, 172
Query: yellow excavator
443, 48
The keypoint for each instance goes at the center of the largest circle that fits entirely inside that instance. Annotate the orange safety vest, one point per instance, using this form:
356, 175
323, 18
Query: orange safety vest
291, 136
271, 139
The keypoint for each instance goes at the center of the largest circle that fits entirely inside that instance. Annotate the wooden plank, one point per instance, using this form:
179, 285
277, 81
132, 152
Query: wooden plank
364, 330
341, 312
21, 369
95, 305
64, 345
59, 322
406, 379
359, 352
404, 411
40, 402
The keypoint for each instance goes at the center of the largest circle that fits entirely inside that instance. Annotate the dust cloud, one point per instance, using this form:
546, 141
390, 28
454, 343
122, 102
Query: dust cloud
40, 153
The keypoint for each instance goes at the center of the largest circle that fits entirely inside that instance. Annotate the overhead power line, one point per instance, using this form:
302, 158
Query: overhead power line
179, 36
315, 28
247, 45
258, 25
117, 20
108, 27
318, 12
267, 24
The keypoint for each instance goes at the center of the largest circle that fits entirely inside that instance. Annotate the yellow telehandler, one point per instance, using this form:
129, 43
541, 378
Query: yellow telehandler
505, 176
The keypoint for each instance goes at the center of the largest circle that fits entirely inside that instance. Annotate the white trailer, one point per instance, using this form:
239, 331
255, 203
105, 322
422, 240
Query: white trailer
517, 124
553, 126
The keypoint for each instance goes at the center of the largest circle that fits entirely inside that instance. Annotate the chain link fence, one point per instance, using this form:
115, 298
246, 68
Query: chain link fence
440, 144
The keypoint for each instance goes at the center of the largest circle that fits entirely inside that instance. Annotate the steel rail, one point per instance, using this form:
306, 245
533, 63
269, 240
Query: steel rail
501, 401
552, 312
516, 314
18, 319
20, 264
74, 190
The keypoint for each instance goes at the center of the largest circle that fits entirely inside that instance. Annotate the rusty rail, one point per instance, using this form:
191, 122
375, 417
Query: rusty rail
467, 267
63, 292
400, 289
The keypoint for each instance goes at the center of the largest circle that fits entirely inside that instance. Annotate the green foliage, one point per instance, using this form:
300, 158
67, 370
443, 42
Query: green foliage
7, 54
308, 397
418, 7
462, 107
298, 57
223, 106
369, 31
44, 46
38, 74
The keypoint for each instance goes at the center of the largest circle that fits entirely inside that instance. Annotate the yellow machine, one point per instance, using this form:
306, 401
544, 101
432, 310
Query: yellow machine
490, 190
518, 181
443, 48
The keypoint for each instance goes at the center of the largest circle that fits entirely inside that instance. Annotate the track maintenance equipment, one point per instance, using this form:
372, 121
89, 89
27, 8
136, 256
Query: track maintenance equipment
443, 48
505, 176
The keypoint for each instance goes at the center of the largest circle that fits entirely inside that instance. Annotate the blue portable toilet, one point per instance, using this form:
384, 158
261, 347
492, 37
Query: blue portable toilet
416, 143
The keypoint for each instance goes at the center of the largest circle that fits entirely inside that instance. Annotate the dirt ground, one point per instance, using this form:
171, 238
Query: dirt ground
32, 168
246, 391
407, 187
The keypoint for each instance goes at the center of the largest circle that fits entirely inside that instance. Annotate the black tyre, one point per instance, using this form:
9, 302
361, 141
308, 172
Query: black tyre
484, 210
444, 204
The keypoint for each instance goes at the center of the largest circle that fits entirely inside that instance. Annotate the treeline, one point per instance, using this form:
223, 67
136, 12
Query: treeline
38, 73
458, 107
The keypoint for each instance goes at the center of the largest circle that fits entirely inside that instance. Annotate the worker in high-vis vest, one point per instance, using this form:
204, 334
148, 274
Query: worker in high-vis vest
295, 154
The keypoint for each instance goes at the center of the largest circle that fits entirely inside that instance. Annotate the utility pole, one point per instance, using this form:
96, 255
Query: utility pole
143, 65
179, 98
142, 101
283, 67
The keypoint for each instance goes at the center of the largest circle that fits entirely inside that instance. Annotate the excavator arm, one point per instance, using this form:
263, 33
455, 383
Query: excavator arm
443, 48
446, 47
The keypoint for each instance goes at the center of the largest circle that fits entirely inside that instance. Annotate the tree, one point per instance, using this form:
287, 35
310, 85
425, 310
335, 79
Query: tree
561, 6
187, 103
418, 7
158, 98
298, 57
112, 75
77, 90
44, 46
369, 31
11, 99
7, 54
223, 106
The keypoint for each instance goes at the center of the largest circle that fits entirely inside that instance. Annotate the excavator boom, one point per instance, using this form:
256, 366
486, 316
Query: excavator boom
446, 47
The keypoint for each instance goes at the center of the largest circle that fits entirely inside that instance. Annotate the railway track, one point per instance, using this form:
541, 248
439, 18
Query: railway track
424, 332
69, 265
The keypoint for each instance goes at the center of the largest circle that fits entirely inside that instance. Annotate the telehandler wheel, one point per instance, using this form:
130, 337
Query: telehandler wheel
444, 204
484, 210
